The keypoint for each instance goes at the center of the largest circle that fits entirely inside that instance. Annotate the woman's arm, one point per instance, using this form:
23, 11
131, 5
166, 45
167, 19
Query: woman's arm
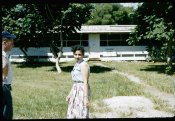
85, 75
70, 93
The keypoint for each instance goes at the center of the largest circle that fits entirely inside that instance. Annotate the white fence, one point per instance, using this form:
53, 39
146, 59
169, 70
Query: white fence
42, 54
106, 54
120, 53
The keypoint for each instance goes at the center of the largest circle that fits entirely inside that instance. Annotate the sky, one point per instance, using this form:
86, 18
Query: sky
134, 5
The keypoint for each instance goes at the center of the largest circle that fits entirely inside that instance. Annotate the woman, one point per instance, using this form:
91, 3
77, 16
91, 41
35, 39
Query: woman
79, 95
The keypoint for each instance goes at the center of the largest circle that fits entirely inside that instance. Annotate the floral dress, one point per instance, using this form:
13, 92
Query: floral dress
76, 106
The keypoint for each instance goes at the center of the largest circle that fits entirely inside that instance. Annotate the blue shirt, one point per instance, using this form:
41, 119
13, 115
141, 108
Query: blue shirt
76, 72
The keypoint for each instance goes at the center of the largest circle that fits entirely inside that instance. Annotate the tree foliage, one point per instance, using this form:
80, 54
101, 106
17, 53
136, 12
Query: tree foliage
111, 13
155, 28
35, 25
21, 21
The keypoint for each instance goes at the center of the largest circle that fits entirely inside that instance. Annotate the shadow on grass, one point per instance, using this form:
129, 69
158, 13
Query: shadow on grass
93, 69
34, 64
64, 69
156, 68
99, 69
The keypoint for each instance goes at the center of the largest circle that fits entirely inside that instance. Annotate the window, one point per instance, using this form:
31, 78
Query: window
124, 36
103, 43
84, 43
103, 36
103, 39
83, 36
113, 39
77, 39
72, 42
114, 43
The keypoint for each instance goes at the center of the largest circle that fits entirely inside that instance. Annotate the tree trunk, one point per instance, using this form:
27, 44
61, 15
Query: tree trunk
57, 64
26, 57
169, 54
23, 52
60, 52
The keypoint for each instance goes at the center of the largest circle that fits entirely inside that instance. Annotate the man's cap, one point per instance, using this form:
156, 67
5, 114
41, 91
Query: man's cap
6, 34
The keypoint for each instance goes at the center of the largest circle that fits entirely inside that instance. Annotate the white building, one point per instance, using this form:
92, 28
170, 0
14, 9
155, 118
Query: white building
101, 42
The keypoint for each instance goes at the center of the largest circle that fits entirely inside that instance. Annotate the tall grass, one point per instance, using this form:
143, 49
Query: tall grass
151, 73
39, 92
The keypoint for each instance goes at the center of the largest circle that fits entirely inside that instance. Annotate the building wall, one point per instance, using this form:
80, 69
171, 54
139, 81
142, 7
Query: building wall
116, 53
93, 49
123, 53
94, 45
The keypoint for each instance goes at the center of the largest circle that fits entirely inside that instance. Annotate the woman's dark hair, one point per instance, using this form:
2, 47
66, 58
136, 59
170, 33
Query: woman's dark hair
78, 47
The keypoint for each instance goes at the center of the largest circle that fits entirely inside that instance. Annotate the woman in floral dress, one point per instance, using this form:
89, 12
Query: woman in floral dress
79, 95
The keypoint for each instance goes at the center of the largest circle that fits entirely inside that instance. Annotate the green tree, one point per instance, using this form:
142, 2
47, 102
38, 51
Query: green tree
71, 17
20, 20
111, 13
155, 28
33, 23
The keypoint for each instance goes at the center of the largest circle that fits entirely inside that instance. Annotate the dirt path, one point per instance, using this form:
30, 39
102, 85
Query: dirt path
134, 106
169, 98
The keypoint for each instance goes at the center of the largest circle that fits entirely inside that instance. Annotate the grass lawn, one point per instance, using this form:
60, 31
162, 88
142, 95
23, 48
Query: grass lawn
39, 92
151, 73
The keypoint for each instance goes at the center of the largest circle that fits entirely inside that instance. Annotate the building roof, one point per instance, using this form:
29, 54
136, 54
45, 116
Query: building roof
106, 29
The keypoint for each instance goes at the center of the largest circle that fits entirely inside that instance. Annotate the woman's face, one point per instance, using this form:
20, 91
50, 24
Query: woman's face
78, 55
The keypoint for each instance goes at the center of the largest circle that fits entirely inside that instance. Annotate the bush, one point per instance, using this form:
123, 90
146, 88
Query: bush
169, 70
